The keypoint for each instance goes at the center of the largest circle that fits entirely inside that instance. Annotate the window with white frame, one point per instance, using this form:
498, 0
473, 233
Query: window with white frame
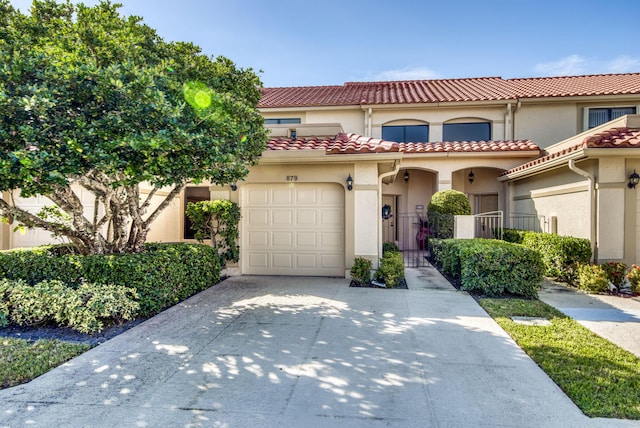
600, 115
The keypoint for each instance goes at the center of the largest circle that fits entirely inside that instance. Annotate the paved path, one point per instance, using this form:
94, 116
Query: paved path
613, 317
304, 352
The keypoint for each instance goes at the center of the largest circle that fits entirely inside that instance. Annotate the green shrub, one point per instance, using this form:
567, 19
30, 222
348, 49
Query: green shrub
615, 272
389, 246
442, 208
449, 202
560, 254
217, 220
86, 309
492, 267
514, 236
634, 278
361, 270
162, 274
592, 278
391, 270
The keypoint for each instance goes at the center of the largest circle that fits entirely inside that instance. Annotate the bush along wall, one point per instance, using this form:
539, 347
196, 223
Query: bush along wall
560, 254
490, 267
162, 274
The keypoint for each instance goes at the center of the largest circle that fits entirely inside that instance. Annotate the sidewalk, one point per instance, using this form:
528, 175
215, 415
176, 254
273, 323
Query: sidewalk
615, 318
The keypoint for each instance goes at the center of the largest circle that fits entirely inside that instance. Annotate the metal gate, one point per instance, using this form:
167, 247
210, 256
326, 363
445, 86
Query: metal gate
413, 236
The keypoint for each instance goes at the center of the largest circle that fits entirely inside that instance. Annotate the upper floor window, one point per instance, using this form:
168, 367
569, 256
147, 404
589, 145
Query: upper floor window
598, 116
468, 131
406, 133
282, 121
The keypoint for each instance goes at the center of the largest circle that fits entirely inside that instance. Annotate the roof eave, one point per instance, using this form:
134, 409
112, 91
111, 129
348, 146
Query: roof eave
544, 166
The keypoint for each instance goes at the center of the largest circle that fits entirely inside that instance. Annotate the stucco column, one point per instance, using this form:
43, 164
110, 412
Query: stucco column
611, 208
365, 215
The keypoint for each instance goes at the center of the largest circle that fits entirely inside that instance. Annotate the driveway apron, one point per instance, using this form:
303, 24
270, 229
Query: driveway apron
313, 352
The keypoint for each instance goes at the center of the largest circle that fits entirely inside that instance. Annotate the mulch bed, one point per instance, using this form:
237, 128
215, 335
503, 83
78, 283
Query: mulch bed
401, 286
33, 333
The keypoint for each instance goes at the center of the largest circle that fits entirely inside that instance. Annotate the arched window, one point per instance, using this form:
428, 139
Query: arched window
406, 131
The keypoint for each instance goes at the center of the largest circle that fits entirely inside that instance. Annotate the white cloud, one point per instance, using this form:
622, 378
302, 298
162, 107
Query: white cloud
624, 64
576, 64
571, 65
404, 74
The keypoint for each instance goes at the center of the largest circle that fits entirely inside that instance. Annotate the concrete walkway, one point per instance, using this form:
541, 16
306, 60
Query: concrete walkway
304, 352
615, 318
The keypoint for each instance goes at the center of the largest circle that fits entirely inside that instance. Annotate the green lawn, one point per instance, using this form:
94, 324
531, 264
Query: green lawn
22, 360
601, 378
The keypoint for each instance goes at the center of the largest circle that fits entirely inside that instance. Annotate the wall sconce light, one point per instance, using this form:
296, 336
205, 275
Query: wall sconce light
406, 176
634, 179
471, 176
234, 187
349, 182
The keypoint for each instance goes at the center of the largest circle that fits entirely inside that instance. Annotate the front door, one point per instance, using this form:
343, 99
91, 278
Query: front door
389, 224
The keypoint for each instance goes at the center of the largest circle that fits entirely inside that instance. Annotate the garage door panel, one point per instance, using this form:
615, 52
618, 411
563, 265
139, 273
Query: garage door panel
333, 217
258, 217
258, 196
306, 239
331, 240
306, 261
299, 227
258, 239
306, 218
306, 196
258, 260
282, 239
330, 197
282, 218
282, 260
282, 196
331, 262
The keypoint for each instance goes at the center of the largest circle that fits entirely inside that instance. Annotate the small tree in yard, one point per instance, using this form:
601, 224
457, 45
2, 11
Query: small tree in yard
95, 101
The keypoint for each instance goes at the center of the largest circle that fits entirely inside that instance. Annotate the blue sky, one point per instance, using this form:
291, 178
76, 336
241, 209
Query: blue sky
298, 43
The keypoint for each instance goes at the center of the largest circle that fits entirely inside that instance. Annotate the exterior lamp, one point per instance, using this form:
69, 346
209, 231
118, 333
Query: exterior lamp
634, 179
234, 187
349, 182
471, 176
406, 176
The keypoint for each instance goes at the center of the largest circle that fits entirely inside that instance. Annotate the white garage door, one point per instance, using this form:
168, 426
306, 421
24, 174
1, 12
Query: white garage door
293, 229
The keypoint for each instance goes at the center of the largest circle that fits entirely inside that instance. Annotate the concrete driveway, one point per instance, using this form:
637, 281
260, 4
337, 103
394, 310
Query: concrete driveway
304, 352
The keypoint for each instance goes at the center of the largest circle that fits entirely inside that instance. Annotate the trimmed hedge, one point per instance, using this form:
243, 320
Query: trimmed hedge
162, 274
560, 254
514, 236
490, 267
86, 309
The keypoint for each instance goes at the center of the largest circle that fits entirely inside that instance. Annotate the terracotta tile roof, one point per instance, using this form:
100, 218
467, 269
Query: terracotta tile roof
570, 86
613, 138
354, 144
449, 90
616, 137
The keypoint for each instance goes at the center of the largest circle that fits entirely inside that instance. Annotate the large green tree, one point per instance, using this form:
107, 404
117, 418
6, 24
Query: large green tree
94, 101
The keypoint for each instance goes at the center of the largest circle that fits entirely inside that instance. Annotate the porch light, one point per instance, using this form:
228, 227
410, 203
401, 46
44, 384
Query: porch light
234, 187
406, 176
634, 179
349, 182
471, 176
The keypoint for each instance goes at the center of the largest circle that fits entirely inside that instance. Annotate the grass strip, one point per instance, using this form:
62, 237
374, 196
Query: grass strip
22, 360
602, 379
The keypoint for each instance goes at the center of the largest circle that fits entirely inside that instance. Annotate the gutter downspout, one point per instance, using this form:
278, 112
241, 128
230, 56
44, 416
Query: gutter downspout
508, 123
380, 178
369, 120
594, 207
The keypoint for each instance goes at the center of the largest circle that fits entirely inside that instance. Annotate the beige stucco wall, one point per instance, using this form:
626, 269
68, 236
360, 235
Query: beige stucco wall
561, 194
546, 124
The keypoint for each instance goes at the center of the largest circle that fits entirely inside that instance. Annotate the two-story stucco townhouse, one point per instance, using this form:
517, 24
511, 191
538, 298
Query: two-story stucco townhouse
553, 154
